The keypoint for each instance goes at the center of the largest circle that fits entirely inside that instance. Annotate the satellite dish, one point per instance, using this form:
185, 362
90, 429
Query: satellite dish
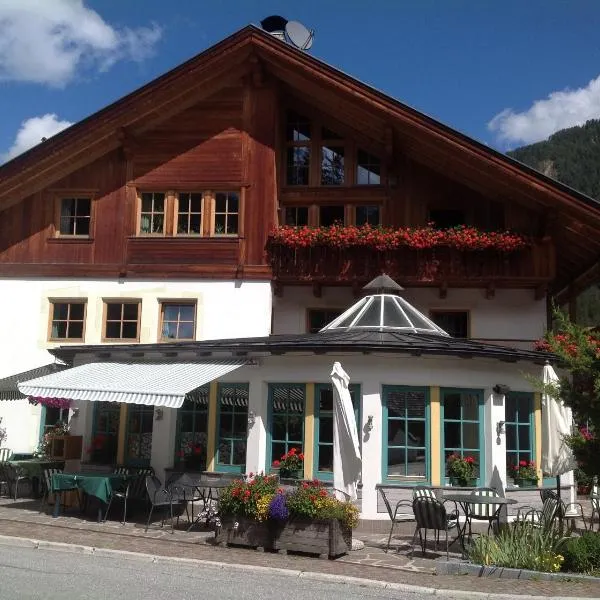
299, 35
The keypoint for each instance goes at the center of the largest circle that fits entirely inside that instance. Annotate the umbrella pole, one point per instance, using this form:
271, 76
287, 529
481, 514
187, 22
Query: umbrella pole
558, 486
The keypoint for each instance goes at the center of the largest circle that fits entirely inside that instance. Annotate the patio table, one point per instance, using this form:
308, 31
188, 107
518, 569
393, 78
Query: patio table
99, 485
34, 468
469, 499
202, 489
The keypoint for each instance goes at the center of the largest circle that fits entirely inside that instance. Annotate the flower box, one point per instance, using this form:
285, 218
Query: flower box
525, 482
314, 536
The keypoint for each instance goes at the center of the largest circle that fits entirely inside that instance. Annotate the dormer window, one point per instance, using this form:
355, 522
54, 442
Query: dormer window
75, 217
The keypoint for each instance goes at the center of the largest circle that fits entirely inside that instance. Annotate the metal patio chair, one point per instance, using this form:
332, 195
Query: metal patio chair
430, 513
485, 512
15, 476
5, 454
4, 482
396, 515
47, 483
161, 497
595, 502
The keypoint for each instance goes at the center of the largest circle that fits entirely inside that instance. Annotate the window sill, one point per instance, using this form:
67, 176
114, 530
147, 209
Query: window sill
185, 238
63, 239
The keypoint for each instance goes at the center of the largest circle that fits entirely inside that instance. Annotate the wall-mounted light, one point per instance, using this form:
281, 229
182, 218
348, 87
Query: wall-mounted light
251, 419
369, 423
74, 412
500, 427
159, 414
501, 389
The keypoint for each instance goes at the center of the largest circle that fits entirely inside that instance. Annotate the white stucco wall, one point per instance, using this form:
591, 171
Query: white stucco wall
224, 309
509, 315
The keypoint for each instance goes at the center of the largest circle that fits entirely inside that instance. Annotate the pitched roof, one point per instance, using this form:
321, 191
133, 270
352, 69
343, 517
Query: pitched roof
422, 137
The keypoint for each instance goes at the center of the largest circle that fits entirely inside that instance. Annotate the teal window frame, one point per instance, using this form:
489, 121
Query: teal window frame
288, 444
355, 393
196, 405
385, 390
233, 410
116, 407
528, 422
480, 421
145, 412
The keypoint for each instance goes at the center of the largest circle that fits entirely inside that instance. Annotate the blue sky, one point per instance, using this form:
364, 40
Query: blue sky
504, 72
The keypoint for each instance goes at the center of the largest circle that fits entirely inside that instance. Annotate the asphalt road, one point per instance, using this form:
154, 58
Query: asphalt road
55, 574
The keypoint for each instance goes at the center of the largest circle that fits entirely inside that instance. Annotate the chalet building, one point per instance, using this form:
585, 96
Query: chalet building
145, 247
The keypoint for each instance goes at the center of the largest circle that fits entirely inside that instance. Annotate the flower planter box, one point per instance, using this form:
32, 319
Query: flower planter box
523, 482
458, 482
327, 537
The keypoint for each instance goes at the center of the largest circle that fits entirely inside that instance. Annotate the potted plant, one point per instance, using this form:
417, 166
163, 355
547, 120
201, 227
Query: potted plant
260, 513
525, 473
291, 465
461, 470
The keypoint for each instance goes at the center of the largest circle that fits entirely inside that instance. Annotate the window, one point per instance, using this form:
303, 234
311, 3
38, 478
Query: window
462, 413
317, 318
405, 432
368, 215
296, 215
330, 215
232, 427
51, 416
368, 169
138, 445
178, 321
286, 408
121, 320
67, 321
519, 419
453, 322
298, 149
189, 213
447, 218
152, 214
75, 216
105, 432
192, 429
227, 206
324, 426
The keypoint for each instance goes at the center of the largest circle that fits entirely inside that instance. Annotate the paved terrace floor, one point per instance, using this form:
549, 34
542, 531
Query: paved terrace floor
26, 518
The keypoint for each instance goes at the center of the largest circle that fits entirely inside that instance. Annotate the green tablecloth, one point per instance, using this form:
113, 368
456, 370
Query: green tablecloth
95, 484
34, 467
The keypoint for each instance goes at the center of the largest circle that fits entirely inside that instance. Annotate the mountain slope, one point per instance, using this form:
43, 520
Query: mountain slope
571, 156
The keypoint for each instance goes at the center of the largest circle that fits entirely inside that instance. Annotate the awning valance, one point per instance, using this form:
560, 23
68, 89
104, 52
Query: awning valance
160, 383
8, 385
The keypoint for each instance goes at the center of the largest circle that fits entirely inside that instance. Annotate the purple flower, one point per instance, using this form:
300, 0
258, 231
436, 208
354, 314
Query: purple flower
277, 509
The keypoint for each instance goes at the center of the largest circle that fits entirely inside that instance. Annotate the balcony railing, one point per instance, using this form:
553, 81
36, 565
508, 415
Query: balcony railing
530, 266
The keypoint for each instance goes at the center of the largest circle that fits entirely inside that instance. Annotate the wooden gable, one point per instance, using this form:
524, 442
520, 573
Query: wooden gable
216, 123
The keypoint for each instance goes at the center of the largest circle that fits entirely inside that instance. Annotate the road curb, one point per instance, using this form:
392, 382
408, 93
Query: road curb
310, 575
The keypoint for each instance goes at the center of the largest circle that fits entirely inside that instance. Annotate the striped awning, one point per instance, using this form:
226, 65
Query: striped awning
159, 383
8, 385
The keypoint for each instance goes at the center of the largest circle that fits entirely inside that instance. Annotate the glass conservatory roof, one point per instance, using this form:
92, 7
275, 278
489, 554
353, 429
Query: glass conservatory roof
385, 310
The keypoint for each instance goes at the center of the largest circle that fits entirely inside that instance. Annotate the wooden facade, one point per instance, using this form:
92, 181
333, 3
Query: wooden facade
217, 125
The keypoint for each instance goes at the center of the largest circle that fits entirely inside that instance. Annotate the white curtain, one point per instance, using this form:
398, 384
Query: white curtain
346, 447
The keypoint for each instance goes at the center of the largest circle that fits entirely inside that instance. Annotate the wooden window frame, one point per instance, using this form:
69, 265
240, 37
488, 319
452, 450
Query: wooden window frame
434, 311
357, 165
179, 302
68, 301
168, 195
207, 220
365, 204
214, 213
59, 198
106, 302
204, 205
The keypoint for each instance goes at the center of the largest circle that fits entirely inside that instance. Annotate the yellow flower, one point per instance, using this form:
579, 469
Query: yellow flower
262, 507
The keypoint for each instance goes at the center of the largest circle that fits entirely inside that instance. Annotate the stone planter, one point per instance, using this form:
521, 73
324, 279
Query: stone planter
523, 482
328, 537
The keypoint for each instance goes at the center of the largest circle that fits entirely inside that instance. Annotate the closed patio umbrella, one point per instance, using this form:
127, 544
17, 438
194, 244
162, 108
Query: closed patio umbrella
557, 420
346, 448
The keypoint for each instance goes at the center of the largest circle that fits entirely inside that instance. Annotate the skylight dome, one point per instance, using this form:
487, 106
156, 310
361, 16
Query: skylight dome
384, 310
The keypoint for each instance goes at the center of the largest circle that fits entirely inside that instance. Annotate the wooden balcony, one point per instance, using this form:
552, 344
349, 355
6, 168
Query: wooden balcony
532, 267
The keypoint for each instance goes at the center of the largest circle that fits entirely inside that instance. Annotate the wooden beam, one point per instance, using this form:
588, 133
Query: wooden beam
588, 276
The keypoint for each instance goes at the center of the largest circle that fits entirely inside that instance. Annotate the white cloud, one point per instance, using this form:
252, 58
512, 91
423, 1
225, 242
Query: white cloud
566, 108
32, 131
49, 41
